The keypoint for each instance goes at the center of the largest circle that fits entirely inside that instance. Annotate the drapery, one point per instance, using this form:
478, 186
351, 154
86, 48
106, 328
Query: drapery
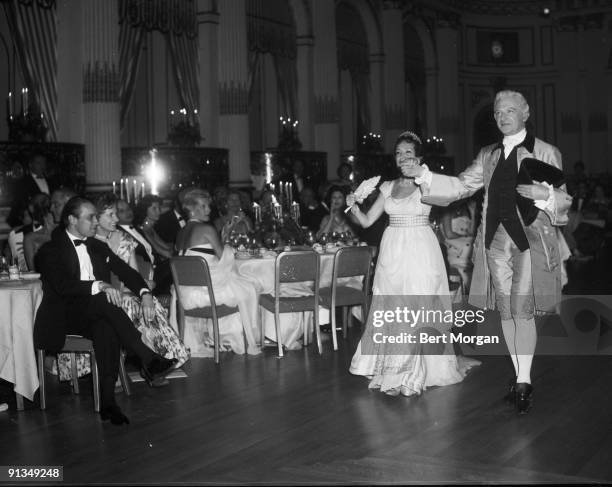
271, 30
33, 28
184, 53
130, 47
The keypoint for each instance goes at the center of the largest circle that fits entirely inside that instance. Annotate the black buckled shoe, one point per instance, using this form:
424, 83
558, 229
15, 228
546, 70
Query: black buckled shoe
524, 397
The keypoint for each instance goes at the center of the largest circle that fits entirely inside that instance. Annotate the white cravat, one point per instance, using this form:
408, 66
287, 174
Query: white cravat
85, 265
511, 141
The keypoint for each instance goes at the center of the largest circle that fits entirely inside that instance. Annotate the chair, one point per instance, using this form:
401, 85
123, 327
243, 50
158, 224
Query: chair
194, 271
293, 266
78, 344
348, 262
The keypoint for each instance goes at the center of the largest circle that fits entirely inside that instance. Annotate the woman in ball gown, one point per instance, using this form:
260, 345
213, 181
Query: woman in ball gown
237, 331
411, 267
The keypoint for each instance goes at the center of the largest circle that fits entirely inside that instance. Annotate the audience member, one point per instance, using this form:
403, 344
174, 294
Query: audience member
311, 210
233, 218
337, 221
169, 223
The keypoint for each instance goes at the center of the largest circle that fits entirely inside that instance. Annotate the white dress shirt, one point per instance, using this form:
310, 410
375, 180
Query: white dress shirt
180, 218
87, 273
42, 184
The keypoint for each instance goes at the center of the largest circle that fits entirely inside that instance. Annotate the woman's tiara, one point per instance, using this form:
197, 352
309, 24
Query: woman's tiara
412, 135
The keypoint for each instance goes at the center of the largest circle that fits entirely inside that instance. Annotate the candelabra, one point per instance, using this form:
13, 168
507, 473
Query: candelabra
288, 139
435, 146
183, 129
27, 125
371, 144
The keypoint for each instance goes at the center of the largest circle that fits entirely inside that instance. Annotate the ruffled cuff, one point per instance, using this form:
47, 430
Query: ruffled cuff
425, 178
549, 203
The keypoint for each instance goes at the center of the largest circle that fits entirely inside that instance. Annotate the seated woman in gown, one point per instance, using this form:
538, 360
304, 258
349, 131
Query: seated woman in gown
158, 335
237, 331
336, 221
410, 270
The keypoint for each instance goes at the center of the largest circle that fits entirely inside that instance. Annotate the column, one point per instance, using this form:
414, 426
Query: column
326, 129
69, 72
394, 69
377, 64
448, 83
233, 90
101, 93
208, 57
305, 48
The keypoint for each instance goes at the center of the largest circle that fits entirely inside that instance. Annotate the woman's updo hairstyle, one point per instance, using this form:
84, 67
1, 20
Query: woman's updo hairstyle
191, 199
411, 138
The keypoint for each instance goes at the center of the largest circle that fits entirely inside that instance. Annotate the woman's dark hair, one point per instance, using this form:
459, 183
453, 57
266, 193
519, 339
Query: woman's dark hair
331, 191
410, 138
72, 207
40, 207
105, 201
140, 212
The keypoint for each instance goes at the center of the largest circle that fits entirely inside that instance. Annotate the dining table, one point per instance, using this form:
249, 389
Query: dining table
19, 301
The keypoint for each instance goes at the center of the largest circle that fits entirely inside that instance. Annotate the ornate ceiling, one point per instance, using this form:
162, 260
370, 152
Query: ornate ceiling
503, 7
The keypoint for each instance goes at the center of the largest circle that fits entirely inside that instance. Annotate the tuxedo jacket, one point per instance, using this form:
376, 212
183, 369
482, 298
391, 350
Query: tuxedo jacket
168, 227
63, 290
542, 234
29, 188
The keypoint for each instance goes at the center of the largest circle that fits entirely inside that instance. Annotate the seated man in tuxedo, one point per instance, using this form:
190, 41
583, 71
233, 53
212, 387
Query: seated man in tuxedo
170, 222
78, 299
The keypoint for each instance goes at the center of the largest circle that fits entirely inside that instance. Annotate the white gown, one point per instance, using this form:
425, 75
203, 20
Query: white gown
410, 263
237, 331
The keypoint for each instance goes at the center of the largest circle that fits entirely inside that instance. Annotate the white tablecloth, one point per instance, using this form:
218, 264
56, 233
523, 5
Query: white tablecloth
19, 301
261, 273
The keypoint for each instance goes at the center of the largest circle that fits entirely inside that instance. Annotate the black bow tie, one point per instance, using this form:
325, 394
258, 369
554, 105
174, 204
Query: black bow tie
78, 242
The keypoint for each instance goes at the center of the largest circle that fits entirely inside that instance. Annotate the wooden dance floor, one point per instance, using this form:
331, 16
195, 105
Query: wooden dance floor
305, 419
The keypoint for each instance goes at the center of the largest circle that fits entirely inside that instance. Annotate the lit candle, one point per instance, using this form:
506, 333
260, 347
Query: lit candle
143, 190
26, 101
295, 212
121, 188
127, 190
115, 188
290, 192
22, 103
10, 104
257, 212
135, 192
